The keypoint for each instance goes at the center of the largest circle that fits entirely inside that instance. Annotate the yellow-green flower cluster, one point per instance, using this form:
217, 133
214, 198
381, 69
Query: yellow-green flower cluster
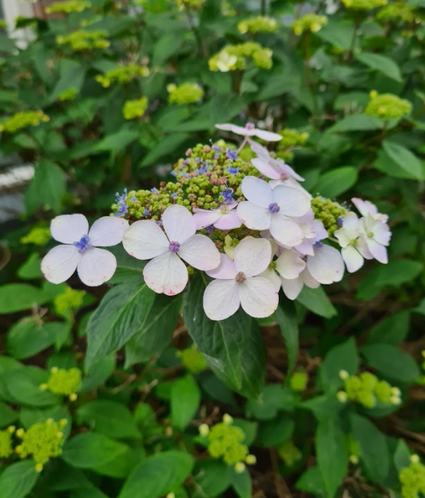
122, 75
68, 6
190, 4
367, 390
328, 212
68, 94
234, 57
63, 382
290, 140
184, 94
227, 9
22, 120
412, 479
37, 236
41, 441
6, 445
192, 359
226, 441
397, 11
289, 453
298, 381
261, 24
364, 4
81, 40
387, 106
68, 300
309, 22
135, 108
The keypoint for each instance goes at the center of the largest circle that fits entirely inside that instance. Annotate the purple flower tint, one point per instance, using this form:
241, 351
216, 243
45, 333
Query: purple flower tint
203, 170
123, 209
155, 191
318, 244
174, 247
121, 200
197, 160
340, 221
174, 195
231, 154
209, 229
232, 171
146, 212
216, 148
134, 198
227, 194
83, 244
249, 126
216, 156
274, 208
174, 172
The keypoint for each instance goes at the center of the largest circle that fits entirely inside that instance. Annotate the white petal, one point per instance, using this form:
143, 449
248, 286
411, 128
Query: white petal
308, 280
239, 130
254, 216
178, 223
361, 246
221, 299
292, 201
200, 252
269, 136
144, 240
252, 256
351, 222
326, 266
228, 221
306, 247
60, 263
69, 228
289, 264
96, 267
226, 270
274, 278
259, 298
257, 191
352, 258
265, 168
258, 149
166, 274
381, 233
292, 288
204, 218
107, 231
365, 207
285, 231
344, 237
378, 251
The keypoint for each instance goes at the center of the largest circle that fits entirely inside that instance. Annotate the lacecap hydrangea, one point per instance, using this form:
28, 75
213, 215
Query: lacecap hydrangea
250, 226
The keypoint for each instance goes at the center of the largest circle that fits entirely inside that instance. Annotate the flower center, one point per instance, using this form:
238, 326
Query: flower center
249, 126
283, 177
240, 277
274, 207
83, 244
174, 246
224, 209
370, 235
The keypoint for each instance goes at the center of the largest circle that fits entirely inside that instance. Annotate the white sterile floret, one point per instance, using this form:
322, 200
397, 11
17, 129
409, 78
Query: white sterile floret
225, 217
326, 266
79, 249
238, 283
249, 130
288, 266
377, 236
272, 209
366, 207
166, 273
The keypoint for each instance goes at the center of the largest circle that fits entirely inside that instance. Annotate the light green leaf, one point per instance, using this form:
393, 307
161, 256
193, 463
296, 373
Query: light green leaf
405, 159
116, 142
18, 479
337, 181
287, 320
380, 63
19, 297
317, 301
341, 357
357, 122
185, 399
47, 187
241, 483
72, 75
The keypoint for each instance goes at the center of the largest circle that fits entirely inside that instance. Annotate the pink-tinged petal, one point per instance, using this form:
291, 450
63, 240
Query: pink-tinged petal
286, 231
326, 266
364, 207
308, 280
178, 223
257, 191
144, 240
378, 251
292, 201
265, 168
229, 221
292, 288
254, 216
268, 136
200, 252
204, 218
352, 258
69, 228
252, 256
166, 274
306, 248
60, 263
226, 270
381, 233
221, 299
361, 246
258, 149
274, 278
259, 298
290, 171
107, 231
290, 265
96, 267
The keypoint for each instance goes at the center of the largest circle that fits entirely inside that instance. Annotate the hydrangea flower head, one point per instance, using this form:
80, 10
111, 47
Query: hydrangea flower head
387, 106
261, 24
184, 94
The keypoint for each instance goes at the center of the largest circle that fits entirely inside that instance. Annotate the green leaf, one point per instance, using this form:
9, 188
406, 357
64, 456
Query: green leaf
341, 357
357, 122
31, 268
167, 46
274, 398
317, 301
233, 348
100, 370
384, 357
211, 477
380, 63
374, 453
19, 297
405, 159
185, 399
312, 482
7, 415
339, 34
287, 320
122, 313
116, 142
72, 75
128, 268
391, 330
110, 418
18, 479
164, 147
276, 431
331, 451
337, 181
91, 450
158, 475
47, 187
241, 483
401, 456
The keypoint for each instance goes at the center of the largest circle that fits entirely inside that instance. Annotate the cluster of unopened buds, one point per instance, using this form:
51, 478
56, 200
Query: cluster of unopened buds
280, 238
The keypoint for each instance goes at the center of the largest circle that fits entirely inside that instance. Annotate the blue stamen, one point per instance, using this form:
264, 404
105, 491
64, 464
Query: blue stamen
274, 207
83, 244
231, 154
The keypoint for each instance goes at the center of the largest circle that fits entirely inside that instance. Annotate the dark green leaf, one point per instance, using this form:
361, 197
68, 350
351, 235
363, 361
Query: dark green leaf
18, 479
185, 399
287, 320
47, 187
341, 357
18, 297
380, 63
317, 301
337, 181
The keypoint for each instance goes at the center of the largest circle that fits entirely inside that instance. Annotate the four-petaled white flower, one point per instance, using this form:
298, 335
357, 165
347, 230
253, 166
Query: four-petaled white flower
377, 236
166, 273
80, 249
238, 283
249, 130
271, 209
225, 217
288, 266
366, 207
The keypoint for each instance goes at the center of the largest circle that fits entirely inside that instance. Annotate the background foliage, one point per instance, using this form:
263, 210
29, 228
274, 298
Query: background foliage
132, 429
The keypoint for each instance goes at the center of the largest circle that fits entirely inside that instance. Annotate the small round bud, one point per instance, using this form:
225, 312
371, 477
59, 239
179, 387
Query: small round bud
239, 467
63, 422
11, 429
251, 460
38, 467
168, 431
54, 370
20, 433
343, 374
342, 396
171, 495
44, 387
354, 459
73, 397
414, 459
227, 419
204, 430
